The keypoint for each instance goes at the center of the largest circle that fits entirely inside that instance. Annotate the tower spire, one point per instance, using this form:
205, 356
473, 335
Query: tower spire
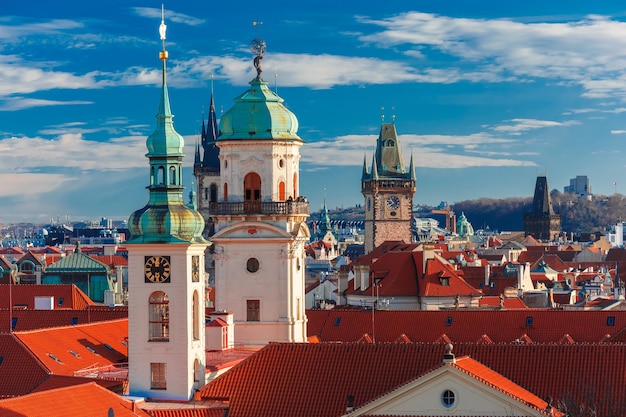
165, 218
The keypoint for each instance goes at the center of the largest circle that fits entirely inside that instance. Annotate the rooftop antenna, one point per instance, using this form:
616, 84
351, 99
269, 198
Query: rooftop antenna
382, 115
393, 116
276, 82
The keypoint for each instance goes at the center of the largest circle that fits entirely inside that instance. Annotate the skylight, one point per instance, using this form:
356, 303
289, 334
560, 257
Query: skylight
55, 358
74, 353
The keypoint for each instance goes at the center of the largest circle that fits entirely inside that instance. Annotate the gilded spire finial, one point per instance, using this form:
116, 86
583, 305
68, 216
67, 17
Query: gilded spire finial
162, 30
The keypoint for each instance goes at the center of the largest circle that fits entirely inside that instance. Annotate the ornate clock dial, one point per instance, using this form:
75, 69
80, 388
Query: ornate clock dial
393, 202
157, 268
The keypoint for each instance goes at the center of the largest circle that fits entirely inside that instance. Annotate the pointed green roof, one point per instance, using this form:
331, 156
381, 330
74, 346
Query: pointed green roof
165, 218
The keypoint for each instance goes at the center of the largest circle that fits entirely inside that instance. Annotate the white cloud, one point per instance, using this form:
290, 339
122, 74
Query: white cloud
618, 132
20, 103
154, 13
428, 151
586, 52
517, 126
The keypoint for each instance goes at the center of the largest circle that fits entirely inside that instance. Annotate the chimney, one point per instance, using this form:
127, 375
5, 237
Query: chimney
350, 406
429, 253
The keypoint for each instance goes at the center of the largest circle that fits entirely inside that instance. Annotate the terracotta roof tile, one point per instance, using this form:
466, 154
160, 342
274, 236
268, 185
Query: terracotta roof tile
39, 319
65, 295
67, 350
270, 383
76, 401
20, 371
501, 326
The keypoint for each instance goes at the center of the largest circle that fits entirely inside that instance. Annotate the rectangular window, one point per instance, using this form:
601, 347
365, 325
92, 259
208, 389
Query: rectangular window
253, 310
158, 376
610, 321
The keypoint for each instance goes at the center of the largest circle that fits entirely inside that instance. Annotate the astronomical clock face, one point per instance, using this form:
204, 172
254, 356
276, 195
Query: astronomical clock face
157, 269
393, 202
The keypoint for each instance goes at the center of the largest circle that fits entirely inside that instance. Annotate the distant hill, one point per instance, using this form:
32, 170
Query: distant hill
506, 214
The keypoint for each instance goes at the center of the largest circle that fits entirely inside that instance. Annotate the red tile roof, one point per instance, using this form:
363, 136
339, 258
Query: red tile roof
500, 382
20, 371
111, 260
509, 302
187, 412
68, 350
76, 401
466, 326
40, 319
284, 380
24, 295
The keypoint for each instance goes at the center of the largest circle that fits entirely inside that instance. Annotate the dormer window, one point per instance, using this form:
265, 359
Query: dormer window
445, 281
389, 143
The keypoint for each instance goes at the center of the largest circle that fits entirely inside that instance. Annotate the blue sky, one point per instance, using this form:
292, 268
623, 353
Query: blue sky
485, 94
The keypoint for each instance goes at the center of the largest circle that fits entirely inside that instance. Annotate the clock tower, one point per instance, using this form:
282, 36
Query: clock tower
260, 217
388, 191
166, 346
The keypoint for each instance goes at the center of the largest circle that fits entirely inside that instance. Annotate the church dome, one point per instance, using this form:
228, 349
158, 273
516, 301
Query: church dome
258, 113
163, 223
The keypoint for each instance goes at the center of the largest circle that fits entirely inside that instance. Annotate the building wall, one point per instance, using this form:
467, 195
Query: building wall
181, 351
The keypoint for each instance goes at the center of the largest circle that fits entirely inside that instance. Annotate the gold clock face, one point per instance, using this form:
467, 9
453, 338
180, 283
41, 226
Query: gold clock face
157, 269
195, 268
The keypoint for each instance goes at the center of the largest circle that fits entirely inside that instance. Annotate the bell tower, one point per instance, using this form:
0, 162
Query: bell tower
388, 191
260, 217
166, 273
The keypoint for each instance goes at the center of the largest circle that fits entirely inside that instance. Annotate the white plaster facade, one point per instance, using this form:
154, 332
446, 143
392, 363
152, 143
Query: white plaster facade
271, 239
423, 397
184, 352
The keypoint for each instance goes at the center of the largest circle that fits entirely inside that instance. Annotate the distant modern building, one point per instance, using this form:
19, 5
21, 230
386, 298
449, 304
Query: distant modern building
540, 220
579, 186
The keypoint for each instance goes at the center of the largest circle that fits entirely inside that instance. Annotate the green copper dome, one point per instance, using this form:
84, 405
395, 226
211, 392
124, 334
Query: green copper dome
258, 114
166, 218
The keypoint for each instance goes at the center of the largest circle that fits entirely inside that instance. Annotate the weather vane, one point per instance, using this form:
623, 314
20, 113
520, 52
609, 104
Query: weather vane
257, 47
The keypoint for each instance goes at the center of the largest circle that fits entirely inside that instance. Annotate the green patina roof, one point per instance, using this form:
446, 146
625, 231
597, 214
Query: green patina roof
165, 218
77, 262
258, 114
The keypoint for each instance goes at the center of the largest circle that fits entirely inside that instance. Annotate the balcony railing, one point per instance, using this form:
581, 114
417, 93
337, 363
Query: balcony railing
259, 207
387, 184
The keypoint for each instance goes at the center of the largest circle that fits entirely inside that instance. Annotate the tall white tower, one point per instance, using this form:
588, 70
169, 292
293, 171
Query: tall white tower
166, 274
260, 217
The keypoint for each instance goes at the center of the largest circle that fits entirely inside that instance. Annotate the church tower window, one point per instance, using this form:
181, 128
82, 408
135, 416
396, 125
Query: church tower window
196, 316
158, 376
159, 316
281, 191
213, 193
161, 175
172, 176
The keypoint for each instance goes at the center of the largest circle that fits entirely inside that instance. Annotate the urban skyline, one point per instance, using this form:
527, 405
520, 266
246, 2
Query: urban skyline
484, 96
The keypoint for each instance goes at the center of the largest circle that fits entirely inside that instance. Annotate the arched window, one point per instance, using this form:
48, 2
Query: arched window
252, 187
196, 370
152, 180
161, 175
295, 185
172, 175
225, 191
196, 316
390, 143
281, 191
159, 317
